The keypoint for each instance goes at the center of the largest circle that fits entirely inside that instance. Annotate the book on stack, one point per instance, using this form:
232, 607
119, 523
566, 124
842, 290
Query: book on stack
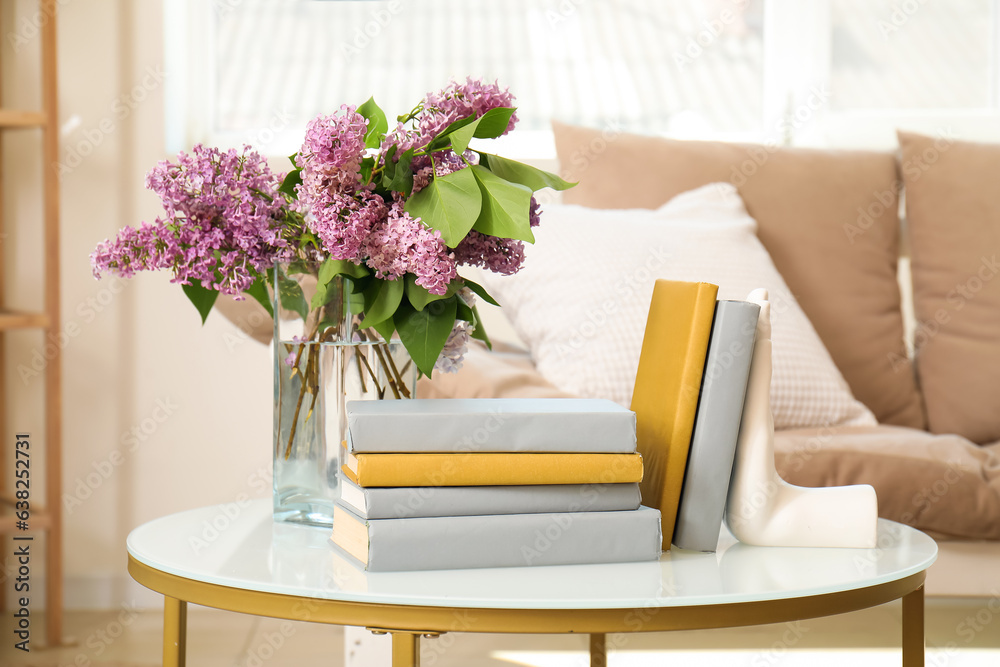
464, 483
717, 426
689, 393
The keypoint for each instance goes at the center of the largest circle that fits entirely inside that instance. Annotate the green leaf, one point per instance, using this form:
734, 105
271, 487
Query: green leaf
450, 204
419, 297
322, 295
463, 312
377, 123
461, 137
518, 172
290, 297
479, 333
400, 177
258, 290
480, 291
292, 179
505, 207
381, 301
341, 267
491, 124
424, 332
202, 298
494, 122
367, 166
385, 328
441, 140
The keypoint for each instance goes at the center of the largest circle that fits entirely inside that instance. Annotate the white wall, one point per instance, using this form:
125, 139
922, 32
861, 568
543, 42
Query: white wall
200, 396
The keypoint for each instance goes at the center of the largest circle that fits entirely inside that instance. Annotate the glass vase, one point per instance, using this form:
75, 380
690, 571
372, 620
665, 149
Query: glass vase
322, 359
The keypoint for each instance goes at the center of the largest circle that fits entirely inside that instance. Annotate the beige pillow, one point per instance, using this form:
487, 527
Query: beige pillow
939, 483
581, 300
828, 219
953, 216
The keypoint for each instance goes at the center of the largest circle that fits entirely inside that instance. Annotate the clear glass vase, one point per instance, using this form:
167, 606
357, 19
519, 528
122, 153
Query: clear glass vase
322, 359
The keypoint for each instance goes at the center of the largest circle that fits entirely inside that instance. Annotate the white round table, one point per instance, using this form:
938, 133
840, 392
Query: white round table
237, 558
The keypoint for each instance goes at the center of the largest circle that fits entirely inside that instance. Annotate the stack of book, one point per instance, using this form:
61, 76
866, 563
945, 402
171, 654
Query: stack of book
469, 483
688, 399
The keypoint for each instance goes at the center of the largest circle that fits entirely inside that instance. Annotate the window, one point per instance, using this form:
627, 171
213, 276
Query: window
835, 72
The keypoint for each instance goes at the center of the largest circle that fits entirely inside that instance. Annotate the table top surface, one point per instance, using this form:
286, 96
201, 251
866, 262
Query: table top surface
241, 547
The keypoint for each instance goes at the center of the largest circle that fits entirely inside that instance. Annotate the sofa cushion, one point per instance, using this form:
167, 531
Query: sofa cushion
944, 484
582, 298
828, 218
953, 217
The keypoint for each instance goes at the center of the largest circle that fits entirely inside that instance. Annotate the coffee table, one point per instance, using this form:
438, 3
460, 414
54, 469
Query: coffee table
235, 557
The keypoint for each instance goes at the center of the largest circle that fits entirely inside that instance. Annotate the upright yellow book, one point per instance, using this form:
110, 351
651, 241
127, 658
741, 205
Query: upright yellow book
667, 385
490, 469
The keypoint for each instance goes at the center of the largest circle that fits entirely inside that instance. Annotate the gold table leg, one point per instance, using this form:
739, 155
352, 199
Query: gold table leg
174, 632
405, 649
598, 650
913, 628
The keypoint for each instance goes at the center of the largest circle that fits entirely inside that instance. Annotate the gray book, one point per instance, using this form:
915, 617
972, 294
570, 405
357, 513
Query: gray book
717, 426
498, 540
405, 502
490, 425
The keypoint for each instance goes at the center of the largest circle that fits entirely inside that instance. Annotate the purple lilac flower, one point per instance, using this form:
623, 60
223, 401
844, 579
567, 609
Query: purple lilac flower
447, 162
503, 256
450, 359
459, 100
444, 107
221, 225
534, 212
400, 244
331, 153
344, 221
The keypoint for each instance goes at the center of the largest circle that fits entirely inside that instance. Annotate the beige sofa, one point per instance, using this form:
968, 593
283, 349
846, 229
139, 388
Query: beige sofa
831, 225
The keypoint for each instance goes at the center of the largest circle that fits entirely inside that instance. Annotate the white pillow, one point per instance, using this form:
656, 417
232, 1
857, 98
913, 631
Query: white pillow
581, 300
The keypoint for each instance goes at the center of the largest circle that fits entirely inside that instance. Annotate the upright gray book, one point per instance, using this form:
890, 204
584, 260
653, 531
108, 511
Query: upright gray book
498, 540
404, 502
717, 426
490, 425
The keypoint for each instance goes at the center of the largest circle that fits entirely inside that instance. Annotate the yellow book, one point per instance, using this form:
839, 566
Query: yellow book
490, 469
667, 385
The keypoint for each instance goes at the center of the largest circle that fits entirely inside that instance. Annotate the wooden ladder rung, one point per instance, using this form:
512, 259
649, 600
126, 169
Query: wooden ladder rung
15, 118
18, 320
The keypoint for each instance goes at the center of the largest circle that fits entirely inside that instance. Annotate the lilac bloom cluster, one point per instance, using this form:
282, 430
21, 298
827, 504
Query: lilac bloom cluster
450, 359
222, 224
355, 224
352, 222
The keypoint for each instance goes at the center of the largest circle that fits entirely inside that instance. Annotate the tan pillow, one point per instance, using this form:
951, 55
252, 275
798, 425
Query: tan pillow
953, 215
939, 483
828, 219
